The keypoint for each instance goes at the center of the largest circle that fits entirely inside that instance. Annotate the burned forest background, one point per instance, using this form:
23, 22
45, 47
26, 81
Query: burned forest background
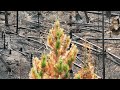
23, 35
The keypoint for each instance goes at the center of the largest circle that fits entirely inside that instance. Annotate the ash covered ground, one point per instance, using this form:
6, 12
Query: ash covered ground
32, 39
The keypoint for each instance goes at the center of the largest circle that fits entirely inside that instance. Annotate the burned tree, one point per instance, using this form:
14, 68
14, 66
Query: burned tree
78, 17
87, 18
6, 18
39, 13
4, 40
17, 22
108, 14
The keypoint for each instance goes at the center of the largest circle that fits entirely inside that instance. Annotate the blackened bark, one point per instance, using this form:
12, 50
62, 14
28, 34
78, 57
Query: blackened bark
108, 14
87, 18
17, 22
6, 18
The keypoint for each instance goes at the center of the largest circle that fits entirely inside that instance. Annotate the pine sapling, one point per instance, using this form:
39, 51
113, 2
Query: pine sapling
58, 62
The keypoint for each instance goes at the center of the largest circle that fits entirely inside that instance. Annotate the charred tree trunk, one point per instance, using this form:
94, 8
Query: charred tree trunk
108, 14
70, 33
4, 41
103, 46
70, 20
38, 19
78, 17
87, 18
17, 22
6, 18
31, 59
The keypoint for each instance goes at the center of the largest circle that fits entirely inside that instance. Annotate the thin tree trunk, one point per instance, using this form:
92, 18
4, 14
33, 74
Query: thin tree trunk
17, 22
6, 18
87, 18
108, 14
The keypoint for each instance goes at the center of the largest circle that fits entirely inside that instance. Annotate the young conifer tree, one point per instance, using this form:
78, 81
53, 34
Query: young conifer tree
58, 62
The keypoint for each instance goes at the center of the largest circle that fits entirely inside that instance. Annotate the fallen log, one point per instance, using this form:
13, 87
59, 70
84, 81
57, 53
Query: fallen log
76, 65
80, 60
24, 54
98, 47
85, 46
104, 39
100, 13
30, 39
